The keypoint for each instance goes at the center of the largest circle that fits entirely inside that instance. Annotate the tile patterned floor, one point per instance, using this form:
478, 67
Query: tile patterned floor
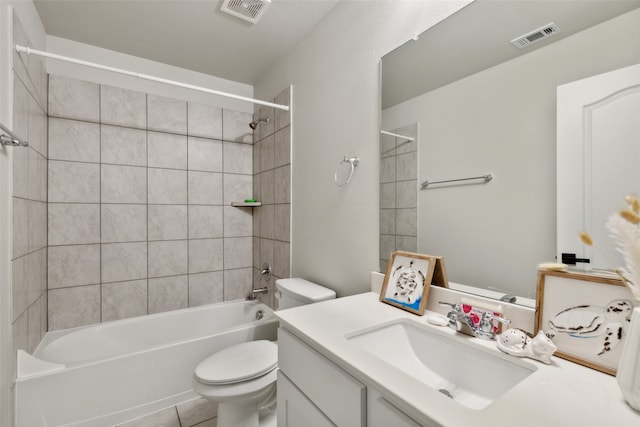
197, 412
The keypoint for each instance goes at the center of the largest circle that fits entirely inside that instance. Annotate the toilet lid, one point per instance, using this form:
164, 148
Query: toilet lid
238, 363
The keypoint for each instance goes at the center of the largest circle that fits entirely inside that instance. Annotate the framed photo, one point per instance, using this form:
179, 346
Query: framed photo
586, 316
407, 280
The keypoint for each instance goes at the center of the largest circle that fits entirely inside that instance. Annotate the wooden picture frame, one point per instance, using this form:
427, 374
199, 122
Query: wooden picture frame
587, 317
408, 278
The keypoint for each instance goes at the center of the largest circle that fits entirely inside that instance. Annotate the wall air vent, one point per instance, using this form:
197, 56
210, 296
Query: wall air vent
535, 36
249, 10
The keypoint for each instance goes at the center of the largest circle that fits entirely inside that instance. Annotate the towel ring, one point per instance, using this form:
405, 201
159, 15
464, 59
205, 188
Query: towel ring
345, 169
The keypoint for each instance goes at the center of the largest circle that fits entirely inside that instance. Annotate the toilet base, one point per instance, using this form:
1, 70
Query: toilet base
245, 414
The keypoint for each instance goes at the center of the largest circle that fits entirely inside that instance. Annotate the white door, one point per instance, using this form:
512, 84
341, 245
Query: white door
598, 159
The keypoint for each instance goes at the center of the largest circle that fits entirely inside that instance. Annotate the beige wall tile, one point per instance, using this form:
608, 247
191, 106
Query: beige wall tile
167, 222
123, 223
73, 265
282, 184
205, 288
281, 259
123, 146
235, 126
166, 115
168, 293
238, 222
166, 150
237, 283
167, 186
19, 286
71, 307
19, 227
205, 221
205, 188
238, 158
267, 221
122, 300
283, 118
237, 252
282, 223
205, 255
123, 107
237, 187
168, 258
74, 140
267, 153
74, 182
123, 184
73, 223
205, 155
123, 261
282, 150
74, 99
204, 120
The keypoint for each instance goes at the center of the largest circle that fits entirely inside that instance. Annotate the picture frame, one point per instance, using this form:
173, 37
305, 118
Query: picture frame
586, 316
408, 279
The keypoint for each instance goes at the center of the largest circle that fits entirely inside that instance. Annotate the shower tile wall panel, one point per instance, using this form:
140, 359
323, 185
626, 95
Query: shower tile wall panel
398, 193
272, 186
139, 220
28, 310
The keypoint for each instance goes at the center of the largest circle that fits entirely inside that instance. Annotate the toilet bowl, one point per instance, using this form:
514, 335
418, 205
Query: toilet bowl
241, 378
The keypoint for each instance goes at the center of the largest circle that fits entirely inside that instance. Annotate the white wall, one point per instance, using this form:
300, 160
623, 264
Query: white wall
503, 121
111, 58
336, 106
30, 19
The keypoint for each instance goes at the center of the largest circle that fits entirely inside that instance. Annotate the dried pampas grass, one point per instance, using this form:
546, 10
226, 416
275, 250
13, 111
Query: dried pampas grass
626, 235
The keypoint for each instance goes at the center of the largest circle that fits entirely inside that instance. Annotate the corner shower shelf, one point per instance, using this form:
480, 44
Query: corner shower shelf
246, 204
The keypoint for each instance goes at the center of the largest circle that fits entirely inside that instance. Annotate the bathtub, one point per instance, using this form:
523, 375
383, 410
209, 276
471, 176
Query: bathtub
105, 374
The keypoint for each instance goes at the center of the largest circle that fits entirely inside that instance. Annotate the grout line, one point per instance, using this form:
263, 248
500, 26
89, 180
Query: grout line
100, 191
146, 162
188, 230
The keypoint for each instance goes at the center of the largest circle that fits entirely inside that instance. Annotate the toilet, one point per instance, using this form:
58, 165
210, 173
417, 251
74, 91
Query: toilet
242, 378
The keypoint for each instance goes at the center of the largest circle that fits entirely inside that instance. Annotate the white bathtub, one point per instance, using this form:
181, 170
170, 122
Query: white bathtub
120, 370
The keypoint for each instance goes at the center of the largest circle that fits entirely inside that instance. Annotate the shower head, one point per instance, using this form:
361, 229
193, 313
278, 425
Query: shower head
254, 124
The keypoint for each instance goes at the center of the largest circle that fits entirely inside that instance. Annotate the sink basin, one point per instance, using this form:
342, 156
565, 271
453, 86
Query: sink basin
471, 376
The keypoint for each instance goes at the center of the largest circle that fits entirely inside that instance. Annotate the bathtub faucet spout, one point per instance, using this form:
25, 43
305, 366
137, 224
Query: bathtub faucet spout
257, 291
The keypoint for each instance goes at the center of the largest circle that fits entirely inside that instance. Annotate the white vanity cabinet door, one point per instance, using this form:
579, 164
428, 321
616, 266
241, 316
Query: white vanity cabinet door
295, 410
381, 413
336, 393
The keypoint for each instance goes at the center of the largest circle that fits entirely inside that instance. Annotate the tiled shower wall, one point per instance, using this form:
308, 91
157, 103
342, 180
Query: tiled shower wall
139, 215
272, 186
398, 193
29, 200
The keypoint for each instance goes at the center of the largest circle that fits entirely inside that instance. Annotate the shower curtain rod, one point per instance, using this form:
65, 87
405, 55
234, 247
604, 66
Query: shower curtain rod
397, 135
29, 51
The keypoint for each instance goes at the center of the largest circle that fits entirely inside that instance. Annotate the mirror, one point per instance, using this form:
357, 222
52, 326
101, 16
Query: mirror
480, 105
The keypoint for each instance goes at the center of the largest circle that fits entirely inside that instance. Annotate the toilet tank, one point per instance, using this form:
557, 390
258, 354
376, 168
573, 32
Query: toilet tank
296, 291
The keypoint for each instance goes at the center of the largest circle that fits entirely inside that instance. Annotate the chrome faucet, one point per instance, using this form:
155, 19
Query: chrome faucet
459, 320
265, 273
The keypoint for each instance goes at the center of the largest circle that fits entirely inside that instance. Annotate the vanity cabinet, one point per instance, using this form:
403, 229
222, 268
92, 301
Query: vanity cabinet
311, 381
381, 413
295, 409
314, 392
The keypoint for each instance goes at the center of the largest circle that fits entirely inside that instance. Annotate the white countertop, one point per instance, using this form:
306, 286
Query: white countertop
561, 394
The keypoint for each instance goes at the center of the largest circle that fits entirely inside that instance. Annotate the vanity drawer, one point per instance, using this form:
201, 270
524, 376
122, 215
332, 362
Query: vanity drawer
337, 394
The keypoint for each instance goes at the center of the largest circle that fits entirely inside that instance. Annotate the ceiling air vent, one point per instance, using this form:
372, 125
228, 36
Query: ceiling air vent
249, 10
535, 36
